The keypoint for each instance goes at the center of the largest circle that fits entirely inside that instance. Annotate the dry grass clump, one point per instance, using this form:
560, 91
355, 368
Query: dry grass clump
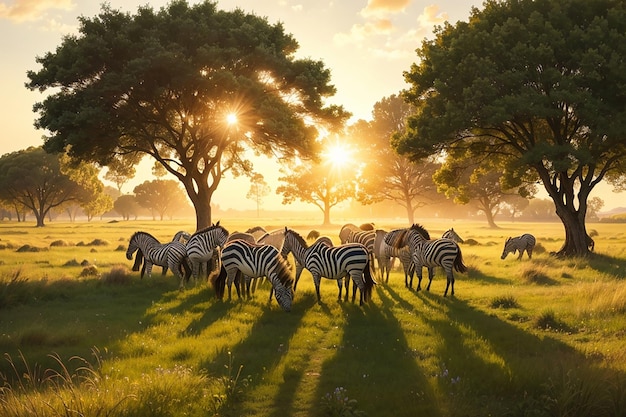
60, 243
89, 271
549, 321
118, 275
536, 274
504, 302
29, 248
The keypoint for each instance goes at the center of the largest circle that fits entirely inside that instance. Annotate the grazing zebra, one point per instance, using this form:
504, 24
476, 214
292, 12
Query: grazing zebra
274, 238
180, 236
202, 245
172, 255
389, 250
240, 258
525, 242
431, 253
335, 262
452, 235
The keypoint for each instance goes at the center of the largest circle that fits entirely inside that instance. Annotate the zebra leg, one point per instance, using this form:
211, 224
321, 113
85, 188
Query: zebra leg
529, 251
316, 281
431, 272
418, 271
148, 267
299, 269
450, 283
340, 286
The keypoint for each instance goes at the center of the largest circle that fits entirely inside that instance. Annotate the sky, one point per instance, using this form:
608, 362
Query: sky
366, 44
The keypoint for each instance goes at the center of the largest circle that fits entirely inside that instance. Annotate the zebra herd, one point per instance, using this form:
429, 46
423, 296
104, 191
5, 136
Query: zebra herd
243, 258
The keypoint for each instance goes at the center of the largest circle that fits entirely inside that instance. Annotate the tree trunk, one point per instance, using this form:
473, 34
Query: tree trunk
326, 215
203, 215
490, 219
576, 241
410, 212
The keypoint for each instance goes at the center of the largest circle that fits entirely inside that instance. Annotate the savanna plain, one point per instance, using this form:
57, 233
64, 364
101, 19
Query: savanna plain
81, 334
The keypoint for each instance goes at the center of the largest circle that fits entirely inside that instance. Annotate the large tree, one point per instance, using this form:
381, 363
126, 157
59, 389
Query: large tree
42, 182
386, 175
190, 86
541, 82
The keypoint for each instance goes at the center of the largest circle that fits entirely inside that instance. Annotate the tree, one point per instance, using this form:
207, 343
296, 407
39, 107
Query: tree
467, 179
121, 169
97, 206
540, 82
126, 205
386, 174
161, 196
40, 182
258, 190
318, 185
191, 86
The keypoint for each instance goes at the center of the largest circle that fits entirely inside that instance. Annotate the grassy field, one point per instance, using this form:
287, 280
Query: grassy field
83, 335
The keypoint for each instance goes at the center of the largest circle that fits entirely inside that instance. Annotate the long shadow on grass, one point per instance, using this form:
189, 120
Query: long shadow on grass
608, 265
375, 364
265, 347
494, 366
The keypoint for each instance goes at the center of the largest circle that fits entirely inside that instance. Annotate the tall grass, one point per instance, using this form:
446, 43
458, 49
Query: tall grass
540, 337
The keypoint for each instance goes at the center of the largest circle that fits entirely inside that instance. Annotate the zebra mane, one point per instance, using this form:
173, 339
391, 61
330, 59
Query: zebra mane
298, 237
420, 229
210, 228
140, 233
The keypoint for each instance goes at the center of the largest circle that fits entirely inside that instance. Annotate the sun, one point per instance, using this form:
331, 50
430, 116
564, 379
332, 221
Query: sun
231, 119
338, 155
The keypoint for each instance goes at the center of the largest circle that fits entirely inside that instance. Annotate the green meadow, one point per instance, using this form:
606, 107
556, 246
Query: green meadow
81, 334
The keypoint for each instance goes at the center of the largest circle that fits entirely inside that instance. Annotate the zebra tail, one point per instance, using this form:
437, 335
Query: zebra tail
219, 283
138, 260
459, 266
368, 282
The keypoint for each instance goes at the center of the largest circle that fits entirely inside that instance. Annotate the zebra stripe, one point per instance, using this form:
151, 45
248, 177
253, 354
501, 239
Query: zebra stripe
172, 255
241, 258
202, 244
431, 253
336, 262
525, 242
389, 251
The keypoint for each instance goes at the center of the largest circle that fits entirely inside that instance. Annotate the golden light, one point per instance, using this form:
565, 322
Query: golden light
338, 155
231, 119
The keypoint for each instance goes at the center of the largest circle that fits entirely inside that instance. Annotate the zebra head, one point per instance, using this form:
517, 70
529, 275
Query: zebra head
508, 248
133, 245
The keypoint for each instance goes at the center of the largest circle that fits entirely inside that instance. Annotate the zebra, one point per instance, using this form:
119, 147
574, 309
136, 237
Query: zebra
256, 231
430, 253
365, 237
202, 245
525, 242
172, 255
240, 258
389, 251
335, 262
452, 235
180, 236
321, 240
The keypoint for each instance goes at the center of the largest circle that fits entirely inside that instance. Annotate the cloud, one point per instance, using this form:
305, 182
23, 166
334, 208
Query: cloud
30, 10
380, 8
431, 16
361, 32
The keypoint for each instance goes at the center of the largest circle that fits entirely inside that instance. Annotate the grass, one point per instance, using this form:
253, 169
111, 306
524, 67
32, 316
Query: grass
540, 337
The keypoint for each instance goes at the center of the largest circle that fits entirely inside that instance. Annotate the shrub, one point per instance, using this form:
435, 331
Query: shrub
507, 301
119, 275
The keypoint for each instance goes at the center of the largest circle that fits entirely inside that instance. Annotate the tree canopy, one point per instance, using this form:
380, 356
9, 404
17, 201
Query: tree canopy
190, 86
541, 83
41, 182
